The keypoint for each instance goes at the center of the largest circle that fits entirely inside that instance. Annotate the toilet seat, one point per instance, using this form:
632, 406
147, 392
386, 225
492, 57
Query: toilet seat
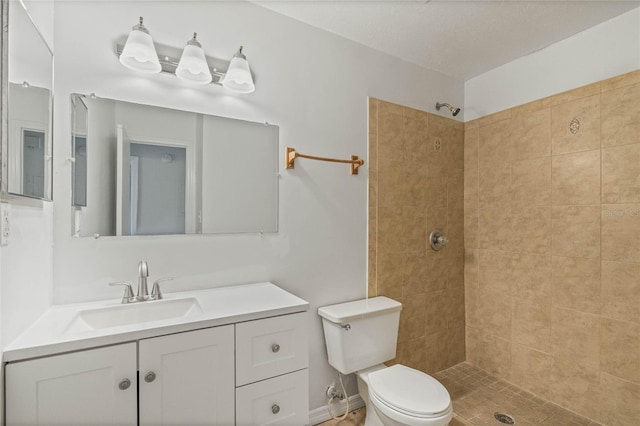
408, 396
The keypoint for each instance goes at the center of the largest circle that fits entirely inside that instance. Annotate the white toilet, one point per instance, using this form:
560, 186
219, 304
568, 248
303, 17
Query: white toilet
360, 336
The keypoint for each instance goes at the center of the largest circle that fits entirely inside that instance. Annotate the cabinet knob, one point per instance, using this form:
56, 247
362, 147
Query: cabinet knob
275, 408
124, 384
275, 348
150, 377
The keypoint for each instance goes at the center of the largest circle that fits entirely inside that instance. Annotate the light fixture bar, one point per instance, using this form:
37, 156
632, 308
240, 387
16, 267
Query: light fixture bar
169, 65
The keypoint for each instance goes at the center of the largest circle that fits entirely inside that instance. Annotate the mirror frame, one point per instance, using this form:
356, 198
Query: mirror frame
5, 195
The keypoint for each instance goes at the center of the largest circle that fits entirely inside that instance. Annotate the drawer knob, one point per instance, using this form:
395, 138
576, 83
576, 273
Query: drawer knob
124, 384
275, 348
150, 377
275, 408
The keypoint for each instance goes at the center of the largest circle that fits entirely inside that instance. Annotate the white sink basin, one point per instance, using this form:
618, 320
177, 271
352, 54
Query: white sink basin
135, 313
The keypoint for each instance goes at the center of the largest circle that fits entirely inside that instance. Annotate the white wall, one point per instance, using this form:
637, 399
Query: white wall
601, 52
313, 84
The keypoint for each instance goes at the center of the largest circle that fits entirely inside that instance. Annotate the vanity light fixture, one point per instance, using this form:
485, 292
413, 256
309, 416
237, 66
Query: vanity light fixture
238, 77
193, 65
139, 52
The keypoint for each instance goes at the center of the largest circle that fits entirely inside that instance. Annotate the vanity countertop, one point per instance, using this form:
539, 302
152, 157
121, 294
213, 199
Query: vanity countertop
51, 333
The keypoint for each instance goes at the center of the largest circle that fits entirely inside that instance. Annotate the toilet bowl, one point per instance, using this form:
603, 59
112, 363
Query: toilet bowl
399, 395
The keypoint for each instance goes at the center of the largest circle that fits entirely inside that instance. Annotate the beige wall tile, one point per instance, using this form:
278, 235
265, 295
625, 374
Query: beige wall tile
412, 317
390, 131
390, 229
492, 118
494, 355
435, 349
621, 291
576, 178
373, 116
495, 273
575, 387
455, 346
390, 179
574, 337
531, 133
531, 182
496, 313
415, 133
587, 137
575, 231
412, 353
436, 312
471, 262
413, 234
494, 185
537, 105
495, 227
576, 94
621, 402
455, 307
471, 306
621, 81
389, 277
620, 352
470, 228
531, 277
414, 274
372, 160
531, 229
621, 116
531, 325
621, 232
621, 173
576, 284
531, 369
494, 146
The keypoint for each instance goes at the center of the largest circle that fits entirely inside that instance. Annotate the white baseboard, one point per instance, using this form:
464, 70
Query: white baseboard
321, 414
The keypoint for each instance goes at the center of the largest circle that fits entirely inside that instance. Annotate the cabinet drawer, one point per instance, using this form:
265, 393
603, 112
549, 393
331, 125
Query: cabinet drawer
271, 347
282, 400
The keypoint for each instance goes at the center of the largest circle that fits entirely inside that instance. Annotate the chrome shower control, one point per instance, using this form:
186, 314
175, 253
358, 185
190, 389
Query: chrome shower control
437, 240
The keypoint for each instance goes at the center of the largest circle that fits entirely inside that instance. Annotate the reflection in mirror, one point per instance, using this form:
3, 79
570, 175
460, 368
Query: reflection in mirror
30, 74
145, 170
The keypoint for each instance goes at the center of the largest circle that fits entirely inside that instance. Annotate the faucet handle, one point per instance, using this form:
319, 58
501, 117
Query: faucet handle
128, 295
156, 294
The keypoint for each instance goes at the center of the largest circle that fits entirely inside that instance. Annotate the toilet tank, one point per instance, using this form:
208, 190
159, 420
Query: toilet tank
362, 333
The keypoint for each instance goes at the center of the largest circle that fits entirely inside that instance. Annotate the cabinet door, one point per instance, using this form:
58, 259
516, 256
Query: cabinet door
80, 388
187, 378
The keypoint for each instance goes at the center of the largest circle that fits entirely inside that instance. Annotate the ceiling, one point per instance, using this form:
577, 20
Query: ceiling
461, 39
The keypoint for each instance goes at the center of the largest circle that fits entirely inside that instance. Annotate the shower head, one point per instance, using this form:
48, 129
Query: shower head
454, 111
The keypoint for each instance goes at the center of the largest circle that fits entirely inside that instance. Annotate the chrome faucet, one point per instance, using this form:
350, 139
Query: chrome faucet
143, 273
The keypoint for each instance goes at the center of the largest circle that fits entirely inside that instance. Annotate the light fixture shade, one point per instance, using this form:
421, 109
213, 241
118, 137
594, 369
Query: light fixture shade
238, 77
139, 53
193, 65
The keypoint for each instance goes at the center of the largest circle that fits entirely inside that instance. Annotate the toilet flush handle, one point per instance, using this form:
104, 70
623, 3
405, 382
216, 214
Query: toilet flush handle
345, 327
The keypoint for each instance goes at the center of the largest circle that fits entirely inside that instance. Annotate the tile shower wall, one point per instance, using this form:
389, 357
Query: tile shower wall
415, 186
552, 247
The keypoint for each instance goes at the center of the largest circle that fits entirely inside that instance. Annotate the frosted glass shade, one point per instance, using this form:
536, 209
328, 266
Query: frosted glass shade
193, 65
139, 53
238, 77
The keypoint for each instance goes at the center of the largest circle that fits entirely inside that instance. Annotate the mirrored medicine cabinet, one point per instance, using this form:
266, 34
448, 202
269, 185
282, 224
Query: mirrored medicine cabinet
147, 170
27, 80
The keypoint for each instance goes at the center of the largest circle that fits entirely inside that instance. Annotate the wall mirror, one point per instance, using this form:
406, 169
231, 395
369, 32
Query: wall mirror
146, 170
26, 167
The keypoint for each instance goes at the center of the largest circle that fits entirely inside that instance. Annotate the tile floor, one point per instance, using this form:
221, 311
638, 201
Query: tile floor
477, 395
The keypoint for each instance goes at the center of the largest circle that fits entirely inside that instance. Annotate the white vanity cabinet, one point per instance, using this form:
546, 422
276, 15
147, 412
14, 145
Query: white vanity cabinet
91, 387
248, 373
187, 378
272, 358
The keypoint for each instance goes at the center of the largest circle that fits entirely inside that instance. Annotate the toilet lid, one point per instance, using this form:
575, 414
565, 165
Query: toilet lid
410, 391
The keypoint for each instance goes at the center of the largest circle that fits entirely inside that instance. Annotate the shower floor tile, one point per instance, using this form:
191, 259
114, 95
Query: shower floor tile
477, 396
